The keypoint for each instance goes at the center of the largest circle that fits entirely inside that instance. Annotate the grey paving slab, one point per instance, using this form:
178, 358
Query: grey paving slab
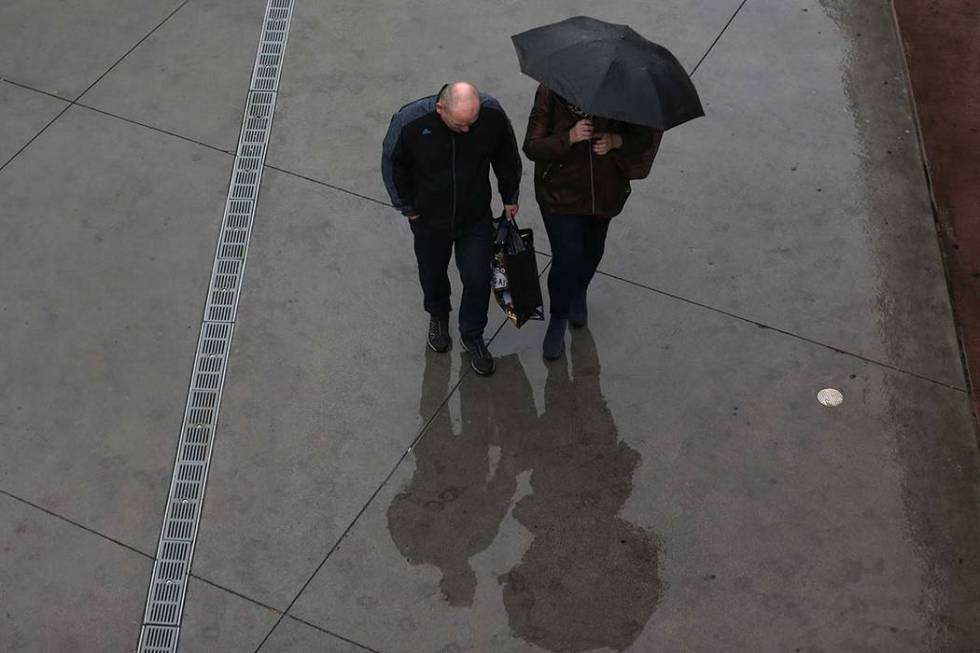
292, 635
190, 77
322, 393
216, 621
800, 201
107, 233
675, 486
65, 589
23, 114
352, 64
62, 47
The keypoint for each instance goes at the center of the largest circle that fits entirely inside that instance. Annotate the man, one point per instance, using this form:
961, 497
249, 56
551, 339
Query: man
435, 163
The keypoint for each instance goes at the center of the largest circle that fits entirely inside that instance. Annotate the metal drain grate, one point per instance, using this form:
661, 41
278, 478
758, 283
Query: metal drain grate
175, 550
176, 547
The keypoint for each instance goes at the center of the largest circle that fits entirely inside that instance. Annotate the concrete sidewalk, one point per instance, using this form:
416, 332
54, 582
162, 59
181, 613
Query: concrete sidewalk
673, 485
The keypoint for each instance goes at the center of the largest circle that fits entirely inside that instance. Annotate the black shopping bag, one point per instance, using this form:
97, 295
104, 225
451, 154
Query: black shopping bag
516, 286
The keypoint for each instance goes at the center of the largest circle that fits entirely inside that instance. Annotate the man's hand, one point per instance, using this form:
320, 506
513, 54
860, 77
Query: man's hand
582, 131
511, 210
413, 217
603, 144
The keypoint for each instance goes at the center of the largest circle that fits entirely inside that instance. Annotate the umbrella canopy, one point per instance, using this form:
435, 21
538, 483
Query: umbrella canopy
609, 70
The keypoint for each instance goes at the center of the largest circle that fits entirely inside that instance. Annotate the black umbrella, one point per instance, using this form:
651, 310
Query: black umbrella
609, 70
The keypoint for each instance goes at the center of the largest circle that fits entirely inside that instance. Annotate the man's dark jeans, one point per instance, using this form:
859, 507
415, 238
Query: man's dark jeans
577, 244
474, 251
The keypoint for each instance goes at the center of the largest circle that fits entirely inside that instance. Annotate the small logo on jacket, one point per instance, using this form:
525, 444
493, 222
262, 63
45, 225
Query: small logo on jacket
426, 131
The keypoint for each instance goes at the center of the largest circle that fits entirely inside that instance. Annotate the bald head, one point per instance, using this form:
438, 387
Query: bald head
459, 106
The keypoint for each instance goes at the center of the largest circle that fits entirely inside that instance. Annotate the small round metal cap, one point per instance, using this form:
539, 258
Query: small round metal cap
830, 397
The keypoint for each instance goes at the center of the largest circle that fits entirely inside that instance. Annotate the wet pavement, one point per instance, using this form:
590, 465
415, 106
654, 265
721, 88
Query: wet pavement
673, 484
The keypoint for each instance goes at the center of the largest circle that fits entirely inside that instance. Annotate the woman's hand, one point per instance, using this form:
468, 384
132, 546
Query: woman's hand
605, 143
582, 131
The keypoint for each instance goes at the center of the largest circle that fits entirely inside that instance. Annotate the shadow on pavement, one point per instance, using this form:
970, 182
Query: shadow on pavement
589, 579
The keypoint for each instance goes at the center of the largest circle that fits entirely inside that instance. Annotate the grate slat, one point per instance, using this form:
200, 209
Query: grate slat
158, 639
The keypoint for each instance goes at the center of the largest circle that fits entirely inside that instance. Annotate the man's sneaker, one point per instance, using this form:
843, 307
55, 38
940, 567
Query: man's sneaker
578, 314
480, 359
554, 339
439, 339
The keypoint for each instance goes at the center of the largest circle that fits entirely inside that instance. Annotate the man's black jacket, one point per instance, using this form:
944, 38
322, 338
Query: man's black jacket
442, 175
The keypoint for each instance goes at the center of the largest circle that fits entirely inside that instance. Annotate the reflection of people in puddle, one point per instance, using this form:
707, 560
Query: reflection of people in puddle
463, 482
589, 579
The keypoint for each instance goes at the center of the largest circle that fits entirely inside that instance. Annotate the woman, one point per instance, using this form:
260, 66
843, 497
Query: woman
581, 181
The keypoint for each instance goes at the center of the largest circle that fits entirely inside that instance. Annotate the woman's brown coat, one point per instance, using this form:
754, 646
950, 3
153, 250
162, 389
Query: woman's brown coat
573, 179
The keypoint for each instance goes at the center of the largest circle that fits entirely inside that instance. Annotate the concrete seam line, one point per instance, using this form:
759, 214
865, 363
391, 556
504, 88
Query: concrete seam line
33, 138
331, 633
67, 520
166, 594
11, 82
72, 103
790, 334
717, 38
130, 50
111, 540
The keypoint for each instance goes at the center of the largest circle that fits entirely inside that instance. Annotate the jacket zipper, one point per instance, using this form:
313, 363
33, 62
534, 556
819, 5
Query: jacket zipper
591, 177
452, 218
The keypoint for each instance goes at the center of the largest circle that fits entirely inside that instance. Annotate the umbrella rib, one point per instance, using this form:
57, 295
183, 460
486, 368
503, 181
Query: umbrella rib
605, 76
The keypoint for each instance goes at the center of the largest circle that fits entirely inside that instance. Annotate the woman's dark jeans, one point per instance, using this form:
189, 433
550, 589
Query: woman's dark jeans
577, 244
